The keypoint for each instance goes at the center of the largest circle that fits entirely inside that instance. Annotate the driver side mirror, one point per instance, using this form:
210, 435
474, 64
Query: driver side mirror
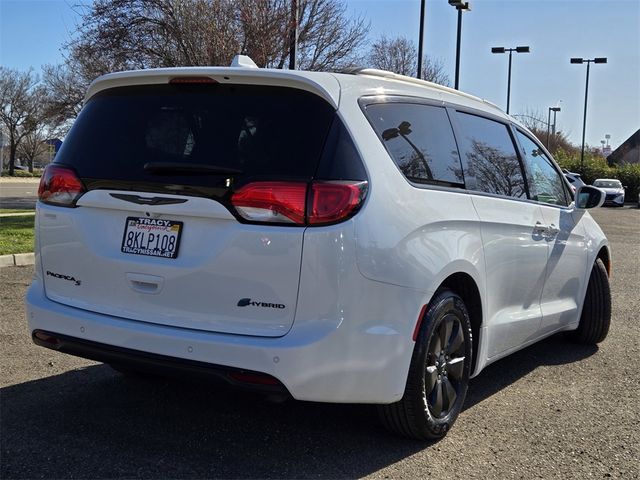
589, 197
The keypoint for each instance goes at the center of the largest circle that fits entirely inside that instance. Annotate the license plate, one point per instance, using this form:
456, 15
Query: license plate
152, 237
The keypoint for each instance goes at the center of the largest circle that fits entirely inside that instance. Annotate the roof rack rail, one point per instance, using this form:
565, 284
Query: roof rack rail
373, 72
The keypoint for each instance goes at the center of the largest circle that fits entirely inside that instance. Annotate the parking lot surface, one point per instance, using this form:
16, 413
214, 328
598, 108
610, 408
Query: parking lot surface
553, 410
18, 193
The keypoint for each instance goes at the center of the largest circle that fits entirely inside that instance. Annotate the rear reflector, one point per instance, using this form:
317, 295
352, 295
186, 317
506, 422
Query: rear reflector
298, 203
60, 186
44, 339
416, 330
254, 378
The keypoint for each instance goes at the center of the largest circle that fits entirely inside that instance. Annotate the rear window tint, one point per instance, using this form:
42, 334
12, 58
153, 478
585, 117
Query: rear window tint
420, 141
489, 156
262, 131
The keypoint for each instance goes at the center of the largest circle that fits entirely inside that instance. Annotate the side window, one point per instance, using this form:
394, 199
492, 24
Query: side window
489, 157
545, 183
419, 139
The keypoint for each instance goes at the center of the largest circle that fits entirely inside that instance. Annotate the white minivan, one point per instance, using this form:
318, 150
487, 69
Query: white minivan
362, 237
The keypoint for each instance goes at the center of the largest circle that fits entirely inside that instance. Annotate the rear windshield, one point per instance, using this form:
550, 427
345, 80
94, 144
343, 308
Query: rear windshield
271, 132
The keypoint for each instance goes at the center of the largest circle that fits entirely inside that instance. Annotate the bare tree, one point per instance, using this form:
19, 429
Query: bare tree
399, 55
535, 121
132, 34
33, 147
125, 34
64, 90
20, 107
328, 39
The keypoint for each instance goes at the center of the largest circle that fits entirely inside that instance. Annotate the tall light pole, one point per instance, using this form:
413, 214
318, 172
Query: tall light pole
554, 110
553, 127
586, 93
293, 36
421, 39
460, 7
510, 50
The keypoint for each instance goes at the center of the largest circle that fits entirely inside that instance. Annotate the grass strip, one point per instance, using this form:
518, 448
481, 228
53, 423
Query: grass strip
15, 210
16, 235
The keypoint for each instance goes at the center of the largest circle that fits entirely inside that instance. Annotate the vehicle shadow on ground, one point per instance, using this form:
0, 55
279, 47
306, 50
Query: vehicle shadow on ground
556, 350
93, 422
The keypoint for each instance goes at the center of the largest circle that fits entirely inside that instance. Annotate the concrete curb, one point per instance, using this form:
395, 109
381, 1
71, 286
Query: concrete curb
22, 214
7, 180
17, 260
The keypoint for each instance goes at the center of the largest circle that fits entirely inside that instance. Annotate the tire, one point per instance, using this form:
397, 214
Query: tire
596, 311
438, 376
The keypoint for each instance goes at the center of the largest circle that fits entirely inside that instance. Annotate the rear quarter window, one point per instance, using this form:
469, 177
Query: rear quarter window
420, 140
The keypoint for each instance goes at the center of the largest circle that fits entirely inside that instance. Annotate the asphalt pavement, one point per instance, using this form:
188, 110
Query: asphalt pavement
554, 410
15, 193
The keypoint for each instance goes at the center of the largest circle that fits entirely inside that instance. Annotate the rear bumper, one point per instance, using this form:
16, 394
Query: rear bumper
363, 359
158, 364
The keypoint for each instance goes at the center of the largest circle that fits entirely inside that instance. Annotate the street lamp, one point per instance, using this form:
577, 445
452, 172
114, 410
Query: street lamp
554, 110
460, 6
421, 38
293, 36
586, 92
510, 50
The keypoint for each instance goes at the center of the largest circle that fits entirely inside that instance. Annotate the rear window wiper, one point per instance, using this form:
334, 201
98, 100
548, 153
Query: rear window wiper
180, 168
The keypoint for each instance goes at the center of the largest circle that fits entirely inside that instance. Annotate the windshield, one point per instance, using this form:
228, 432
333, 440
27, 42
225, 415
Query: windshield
607, 184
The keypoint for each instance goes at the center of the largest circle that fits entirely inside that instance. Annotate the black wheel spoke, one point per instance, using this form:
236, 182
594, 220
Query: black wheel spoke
456, 340
445, 332
436, 399
435, 347
449, 394
455, 368
430, 379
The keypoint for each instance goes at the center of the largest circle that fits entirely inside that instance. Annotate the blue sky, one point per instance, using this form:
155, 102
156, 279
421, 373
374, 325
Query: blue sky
32, 32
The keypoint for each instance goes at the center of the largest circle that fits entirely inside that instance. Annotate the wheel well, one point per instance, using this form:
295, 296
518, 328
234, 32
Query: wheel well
603, 255
465, 286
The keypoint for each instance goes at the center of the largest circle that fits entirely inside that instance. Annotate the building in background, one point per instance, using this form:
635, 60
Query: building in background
628, 152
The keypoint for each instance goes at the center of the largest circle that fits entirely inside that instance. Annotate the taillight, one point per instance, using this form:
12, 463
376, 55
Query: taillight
332, 202
317, 203
279, 202
60, 186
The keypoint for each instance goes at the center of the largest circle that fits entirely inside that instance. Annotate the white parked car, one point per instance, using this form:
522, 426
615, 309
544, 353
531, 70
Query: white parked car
351, 238
574, 179
613, 189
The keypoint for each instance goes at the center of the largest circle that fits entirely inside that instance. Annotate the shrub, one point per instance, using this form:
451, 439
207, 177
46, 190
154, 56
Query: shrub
597, 167
629, 175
